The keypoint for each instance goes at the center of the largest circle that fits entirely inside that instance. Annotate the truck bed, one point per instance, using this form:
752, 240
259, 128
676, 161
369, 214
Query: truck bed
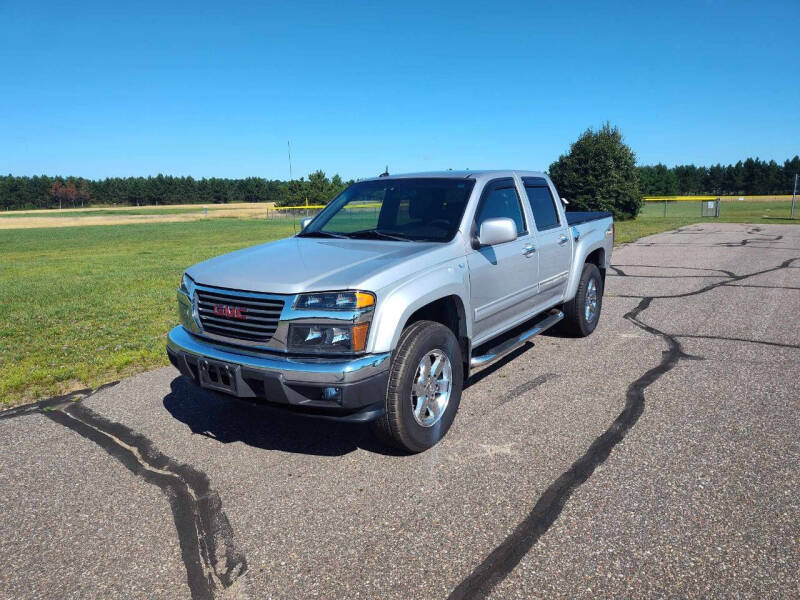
577, 217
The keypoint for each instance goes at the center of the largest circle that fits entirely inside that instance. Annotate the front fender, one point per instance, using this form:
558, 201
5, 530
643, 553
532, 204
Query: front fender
394, 309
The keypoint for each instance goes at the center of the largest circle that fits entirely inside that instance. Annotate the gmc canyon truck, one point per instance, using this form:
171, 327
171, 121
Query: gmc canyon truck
382, 305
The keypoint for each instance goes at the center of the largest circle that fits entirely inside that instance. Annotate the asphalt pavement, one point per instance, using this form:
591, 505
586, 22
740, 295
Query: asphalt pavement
658, 457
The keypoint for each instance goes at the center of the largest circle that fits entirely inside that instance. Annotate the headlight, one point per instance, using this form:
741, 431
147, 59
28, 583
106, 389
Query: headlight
314, 338
187, 307
349, 300
187, 285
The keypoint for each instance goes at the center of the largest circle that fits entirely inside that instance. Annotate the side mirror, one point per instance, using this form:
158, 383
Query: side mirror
497, 231
304, 223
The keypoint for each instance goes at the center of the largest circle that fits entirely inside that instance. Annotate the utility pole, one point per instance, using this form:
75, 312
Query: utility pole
289, 147
794, 193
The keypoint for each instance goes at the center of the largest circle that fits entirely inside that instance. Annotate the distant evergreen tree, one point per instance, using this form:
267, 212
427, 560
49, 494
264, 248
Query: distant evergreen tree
751, 176
54, 192
596, 172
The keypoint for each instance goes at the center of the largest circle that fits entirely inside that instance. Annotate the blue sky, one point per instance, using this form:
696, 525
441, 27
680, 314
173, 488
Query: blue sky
216, 89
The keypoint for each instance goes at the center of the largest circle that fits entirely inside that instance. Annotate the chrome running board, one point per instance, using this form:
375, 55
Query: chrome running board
504, 348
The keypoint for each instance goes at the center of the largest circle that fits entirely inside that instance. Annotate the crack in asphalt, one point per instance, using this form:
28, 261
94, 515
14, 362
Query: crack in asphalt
765, 287
735, 339
212, 562
508, 554
746, 241
728, 273
737, 245
785, 264
526, 387
618, 271
54, 402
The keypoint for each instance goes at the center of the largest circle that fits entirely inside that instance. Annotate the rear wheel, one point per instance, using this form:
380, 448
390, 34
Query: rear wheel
424, 389
583, 311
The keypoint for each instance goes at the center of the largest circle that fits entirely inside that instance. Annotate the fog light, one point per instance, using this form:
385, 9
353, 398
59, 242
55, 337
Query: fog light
332, 394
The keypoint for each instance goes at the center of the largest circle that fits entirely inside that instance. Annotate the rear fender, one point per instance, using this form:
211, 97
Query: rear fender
592, 238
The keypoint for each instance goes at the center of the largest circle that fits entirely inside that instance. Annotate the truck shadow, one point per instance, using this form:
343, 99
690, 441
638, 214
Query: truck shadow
228, 420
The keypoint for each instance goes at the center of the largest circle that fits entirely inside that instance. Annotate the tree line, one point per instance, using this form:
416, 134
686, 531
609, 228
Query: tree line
749, 177
43, 191
752, 177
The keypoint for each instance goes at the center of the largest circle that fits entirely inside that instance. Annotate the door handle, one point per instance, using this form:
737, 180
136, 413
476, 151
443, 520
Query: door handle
562, 240
528, 250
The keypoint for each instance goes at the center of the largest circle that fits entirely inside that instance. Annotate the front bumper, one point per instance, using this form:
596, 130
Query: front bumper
297, 384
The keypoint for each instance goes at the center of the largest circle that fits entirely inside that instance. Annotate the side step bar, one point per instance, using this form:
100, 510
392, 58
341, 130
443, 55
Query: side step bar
504, 348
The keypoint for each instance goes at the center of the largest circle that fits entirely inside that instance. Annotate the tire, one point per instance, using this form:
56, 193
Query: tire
399, 427
575, 311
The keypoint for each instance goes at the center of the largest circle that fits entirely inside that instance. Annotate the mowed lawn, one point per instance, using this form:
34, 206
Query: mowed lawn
81, 306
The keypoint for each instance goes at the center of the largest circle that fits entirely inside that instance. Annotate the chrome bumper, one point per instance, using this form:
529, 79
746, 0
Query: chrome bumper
312, 371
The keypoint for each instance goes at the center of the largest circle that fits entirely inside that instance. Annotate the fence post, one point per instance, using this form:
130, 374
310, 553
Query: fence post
717, 207
665, 208
794, 194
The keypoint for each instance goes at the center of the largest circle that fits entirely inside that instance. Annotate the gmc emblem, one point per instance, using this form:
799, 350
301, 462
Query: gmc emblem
231, 312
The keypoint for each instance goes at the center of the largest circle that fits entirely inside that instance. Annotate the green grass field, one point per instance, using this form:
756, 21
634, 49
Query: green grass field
81, 306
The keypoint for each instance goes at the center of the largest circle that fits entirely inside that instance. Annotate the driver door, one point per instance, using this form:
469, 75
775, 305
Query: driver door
503, 277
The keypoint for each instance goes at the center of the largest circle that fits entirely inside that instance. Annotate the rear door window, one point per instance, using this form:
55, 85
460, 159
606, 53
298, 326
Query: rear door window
543, 206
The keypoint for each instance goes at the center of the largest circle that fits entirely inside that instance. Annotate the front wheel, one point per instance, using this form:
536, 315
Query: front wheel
424, 389
583, 311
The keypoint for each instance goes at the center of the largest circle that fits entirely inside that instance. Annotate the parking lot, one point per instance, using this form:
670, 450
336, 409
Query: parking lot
659, 456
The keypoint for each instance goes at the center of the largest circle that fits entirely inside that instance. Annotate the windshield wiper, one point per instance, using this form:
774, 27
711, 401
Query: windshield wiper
381, 235
326, 234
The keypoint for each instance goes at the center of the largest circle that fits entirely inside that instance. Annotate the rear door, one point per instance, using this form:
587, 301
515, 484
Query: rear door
553, 244
504, 277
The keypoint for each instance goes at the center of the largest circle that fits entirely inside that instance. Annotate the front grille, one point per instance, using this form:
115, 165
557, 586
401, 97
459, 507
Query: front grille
251, 317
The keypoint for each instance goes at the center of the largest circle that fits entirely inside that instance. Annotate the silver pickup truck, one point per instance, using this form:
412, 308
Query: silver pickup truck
381, 306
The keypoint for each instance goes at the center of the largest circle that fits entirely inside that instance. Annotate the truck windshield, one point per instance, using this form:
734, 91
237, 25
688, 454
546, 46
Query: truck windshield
428, 209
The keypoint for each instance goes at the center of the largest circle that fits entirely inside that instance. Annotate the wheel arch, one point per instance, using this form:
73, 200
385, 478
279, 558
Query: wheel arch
443, 304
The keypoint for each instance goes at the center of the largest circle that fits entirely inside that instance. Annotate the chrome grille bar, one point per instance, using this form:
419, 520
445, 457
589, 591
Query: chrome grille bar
246, 315
250, 317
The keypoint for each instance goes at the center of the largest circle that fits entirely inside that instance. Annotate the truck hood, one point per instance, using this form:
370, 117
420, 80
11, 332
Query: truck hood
295, 265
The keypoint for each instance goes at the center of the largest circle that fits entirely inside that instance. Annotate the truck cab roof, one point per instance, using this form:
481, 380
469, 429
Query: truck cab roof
475, 174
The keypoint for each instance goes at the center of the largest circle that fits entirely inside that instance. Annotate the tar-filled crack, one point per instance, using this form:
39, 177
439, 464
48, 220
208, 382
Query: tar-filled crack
708, 269
212, 562
507, 555
712, 286
765, 287
618, 271
526, 387
748, 241
735, 245
502, 560
735, 339
54, 402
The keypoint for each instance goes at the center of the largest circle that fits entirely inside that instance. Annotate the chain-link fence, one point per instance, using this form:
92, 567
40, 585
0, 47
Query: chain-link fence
292, 212
778, 208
